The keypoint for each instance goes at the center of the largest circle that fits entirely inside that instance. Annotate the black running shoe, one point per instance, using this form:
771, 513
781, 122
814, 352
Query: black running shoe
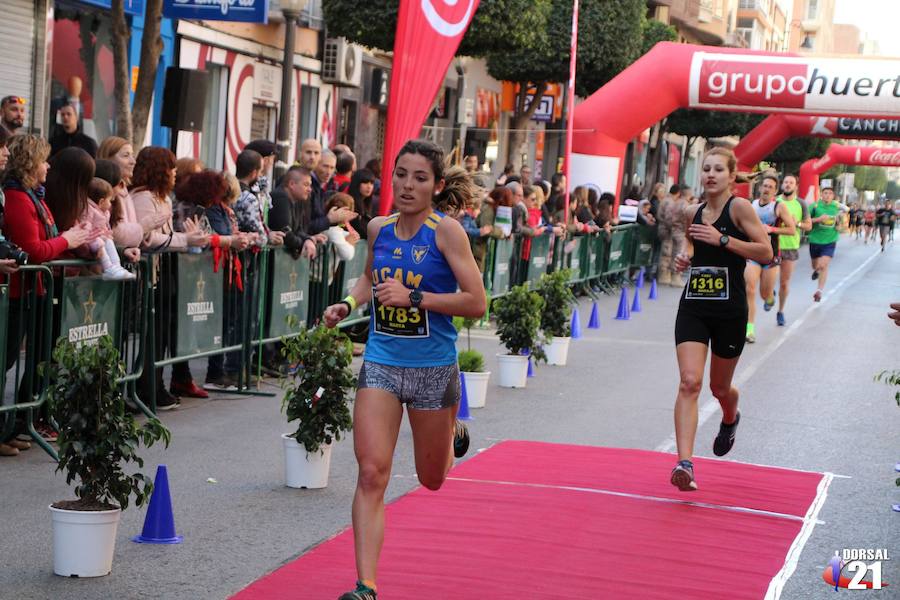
815, 274
362, 592
725, 440
460, 439
683, 476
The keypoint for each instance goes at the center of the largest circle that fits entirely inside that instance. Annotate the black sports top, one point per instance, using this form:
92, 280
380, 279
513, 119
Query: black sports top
715, 284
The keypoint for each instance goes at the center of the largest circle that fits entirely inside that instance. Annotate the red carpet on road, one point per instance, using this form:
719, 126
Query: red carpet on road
526, 520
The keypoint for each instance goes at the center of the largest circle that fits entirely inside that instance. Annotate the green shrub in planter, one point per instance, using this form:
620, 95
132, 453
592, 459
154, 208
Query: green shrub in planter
97, 434
471, 361
324, 356
518, 316
556, 314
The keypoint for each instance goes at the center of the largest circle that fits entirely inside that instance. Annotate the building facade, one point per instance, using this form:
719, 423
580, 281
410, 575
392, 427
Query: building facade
812, 27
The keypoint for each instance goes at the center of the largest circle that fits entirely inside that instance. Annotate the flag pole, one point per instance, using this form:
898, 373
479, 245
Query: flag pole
570, 108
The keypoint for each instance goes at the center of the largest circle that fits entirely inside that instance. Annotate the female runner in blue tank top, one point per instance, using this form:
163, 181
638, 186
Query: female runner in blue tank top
420, 273
723, 233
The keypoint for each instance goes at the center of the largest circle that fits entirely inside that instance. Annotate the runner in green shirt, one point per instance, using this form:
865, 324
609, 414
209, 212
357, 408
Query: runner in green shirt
790, 244
823, 238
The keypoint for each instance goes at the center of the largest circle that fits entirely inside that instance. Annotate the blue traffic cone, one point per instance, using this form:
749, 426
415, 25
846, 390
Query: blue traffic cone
530, 366
576, 325
159, 524
636, 304
652, 295
639, 284
594, 321
623, 314
463, 413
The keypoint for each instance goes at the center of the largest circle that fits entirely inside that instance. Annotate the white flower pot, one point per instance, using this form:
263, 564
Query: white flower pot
302, 469
83, 541
557, 351
476, 388
513, 370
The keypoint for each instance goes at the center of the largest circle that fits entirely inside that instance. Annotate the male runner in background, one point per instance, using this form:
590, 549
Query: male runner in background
824, 216
778, 221
790, 244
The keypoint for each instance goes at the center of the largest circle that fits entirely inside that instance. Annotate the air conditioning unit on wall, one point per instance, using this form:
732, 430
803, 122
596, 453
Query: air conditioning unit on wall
342, 63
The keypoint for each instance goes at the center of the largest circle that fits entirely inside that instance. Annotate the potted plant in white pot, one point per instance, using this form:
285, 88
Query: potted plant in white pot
97, 436
518, 323
316, 396
556, 315
471, 364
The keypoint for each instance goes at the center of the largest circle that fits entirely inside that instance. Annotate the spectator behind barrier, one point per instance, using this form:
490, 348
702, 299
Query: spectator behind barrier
290, 212
184, 209
29, 224
153, 181
322, 219
362, 189
12, 114
344, 165
128, 232
68, 133
343, 237
109, 171
250, 211
208, 190
263, 189
374, 165
500, 196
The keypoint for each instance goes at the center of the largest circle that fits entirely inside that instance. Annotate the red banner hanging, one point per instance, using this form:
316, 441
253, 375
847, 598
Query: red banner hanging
570, 100
428, 35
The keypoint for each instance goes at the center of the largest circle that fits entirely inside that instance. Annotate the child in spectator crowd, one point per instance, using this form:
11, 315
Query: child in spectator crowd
100, 198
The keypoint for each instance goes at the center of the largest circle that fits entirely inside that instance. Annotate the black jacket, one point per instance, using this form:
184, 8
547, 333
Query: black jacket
62, 140
294, 216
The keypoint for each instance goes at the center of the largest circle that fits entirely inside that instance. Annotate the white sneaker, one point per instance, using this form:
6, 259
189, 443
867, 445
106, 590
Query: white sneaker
118, 274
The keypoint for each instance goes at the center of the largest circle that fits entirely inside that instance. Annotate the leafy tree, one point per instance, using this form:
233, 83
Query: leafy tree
609, 39
870, 179
694, 124
790, 155
653, 32
498, 25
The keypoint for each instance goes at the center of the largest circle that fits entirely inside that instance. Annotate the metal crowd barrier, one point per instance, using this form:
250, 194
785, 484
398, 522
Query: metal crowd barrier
183, 307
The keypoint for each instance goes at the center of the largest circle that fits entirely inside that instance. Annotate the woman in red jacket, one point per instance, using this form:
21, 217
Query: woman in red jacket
29, 224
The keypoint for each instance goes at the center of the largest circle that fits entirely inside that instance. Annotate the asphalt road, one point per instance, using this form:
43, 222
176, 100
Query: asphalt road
808, 402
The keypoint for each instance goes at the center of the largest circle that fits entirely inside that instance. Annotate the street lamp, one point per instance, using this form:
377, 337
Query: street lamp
291, 10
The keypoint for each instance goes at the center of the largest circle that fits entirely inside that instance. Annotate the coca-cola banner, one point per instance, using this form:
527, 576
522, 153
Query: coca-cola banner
794, 84
428, 35
838, 154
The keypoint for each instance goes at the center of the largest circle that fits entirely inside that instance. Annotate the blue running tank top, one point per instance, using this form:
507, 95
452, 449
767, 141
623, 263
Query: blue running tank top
397, 336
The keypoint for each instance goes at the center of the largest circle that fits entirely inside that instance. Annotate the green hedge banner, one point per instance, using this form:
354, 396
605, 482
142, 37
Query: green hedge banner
199, 305
91, 308
290, 289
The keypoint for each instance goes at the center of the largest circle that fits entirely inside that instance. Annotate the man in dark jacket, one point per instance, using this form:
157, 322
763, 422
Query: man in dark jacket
69, 133
290, 212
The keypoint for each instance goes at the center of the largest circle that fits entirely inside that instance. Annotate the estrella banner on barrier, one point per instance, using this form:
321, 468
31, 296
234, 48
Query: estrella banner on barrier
428, 34
794, 84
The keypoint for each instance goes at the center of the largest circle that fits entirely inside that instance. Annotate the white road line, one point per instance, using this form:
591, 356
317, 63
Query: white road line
740, 509
776, 586
711, 406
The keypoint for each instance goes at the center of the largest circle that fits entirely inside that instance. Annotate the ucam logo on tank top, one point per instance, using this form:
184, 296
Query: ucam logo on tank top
402, 336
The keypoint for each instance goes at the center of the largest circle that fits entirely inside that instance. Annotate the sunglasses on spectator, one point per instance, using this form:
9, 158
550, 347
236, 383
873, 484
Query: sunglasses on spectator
12, 100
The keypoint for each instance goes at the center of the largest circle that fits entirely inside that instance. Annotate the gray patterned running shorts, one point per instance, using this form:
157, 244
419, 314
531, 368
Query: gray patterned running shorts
422, 388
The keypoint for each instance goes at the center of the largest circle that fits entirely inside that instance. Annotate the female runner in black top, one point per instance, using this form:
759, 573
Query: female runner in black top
724, 232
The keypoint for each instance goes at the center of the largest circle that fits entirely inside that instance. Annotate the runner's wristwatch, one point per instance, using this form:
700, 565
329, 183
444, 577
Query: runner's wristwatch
415, 299
723, 241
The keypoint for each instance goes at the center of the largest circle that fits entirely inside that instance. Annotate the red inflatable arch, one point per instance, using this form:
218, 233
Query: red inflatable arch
777, 129
843, 155
673, 76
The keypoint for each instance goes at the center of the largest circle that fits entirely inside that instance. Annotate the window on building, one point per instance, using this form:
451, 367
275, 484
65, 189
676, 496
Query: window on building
809, 42
745, 22
347, 123
812, 9
212, 140
309, 112
262, 122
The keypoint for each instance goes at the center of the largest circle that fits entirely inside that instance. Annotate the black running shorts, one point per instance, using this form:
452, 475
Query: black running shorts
724, 336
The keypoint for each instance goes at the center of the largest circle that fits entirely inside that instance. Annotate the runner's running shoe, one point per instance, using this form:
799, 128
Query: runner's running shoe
815, 274
683, 476
362, 592
769, 303
751, 333
817, 297
725, 440
779, 318
460, 439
